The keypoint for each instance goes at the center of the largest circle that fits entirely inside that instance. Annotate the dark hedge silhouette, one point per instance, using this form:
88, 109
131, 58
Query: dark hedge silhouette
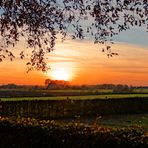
40, 21
32, 133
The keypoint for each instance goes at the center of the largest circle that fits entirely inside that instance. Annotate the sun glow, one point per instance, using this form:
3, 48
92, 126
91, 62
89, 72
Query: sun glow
60, 74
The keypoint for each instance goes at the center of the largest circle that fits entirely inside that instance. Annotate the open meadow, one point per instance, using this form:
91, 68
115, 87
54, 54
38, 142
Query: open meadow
75, 97
84, 120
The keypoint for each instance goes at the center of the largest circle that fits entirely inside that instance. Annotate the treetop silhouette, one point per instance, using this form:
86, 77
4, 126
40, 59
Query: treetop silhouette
40, 22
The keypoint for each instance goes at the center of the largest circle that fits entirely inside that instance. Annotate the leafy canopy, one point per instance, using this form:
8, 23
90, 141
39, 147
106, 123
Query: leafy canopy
39, 22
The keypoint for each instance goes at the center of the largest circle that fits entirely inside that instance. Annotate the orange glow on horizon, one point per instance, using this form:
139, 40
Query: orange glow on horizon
83, 63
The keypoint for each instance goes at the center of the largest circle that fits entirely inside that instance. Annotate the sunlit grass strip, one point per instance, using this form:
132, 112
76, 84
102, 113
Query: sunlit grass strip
87, 97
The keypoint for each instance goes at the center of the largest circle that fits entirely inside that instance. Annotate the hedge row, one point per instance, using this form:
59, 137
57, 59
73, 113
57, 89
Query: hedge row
51, 109
32, 133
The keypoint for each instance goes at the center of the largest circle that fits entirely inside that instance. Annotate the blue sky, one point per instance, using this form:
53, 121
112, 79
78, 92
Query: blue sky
136, 35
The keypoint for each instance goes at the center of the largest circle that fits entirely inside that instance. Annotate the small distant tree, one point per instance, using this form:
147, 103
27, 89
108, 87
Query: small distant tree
11, 86
122, 89
47, 82
56, 84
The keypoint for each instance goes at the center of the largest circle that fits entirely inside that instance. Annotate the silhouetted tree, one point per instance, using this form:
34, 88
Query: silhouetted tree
122, 89
40, 21
56, 84
47, 82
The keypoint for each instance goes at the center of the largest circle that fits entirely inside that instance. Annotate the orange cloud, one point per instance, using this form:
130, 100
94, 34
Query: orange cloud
86, 64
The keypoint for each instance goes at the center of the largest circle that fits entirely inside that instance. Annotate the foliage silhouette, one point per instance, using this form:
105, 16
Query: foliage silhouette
40, 22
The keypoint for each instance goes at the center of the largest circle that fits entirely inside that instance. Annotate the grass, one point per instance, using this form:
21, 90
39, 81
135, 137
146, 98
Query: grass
141, 90
88, 97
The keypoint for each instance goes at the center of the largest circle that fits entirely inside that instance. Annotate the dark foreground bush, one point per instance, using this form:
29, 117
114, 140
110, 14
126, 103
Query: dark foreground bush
31, 133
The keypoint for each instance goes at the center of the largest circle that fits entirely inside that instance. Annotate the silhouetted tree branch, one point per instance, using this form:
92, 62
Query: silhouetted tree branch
40, 21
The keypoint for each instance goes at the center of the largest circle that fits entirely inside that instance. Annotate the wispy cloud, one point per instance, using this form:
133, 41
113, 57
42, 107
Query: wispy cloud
86, 63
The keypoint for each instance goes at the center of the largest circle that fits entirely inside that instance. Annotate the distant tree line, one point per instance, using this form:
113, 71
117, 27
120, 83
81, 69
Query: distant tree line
15, 86
61, 84
122, 89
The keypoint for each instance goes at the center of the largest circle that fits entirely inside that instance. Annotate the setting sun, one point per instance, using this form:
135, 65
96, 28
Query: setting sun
60, 74
62, 71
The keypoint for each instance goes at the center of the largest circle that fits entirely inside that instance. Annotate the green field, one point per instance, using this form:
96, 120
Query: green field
88, 97
114, 121
141, 90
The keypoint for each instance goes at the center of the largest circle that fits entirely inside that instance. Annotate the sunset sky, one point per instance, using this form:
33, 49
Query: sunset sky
82, 62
